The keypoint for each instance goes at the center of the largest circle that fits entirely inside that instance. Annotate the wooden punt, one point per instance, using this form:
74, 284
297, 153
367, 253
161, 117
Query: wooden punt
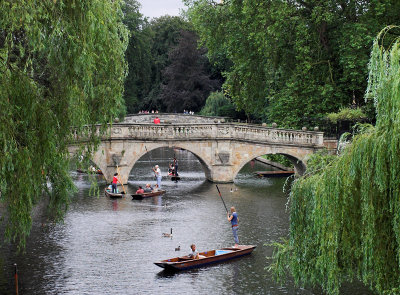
98, 171
113, 195
147, 195
274, 173
174, 177
211, 257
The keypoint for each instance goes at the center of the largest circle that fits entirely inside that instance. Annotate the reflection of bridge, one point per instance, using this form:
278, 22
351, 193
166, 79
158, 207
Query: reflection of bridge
222, 148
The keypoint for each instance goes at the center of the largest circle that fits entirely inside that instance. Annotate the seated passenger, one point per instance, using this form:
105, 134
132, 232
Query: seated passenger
140, 190
155, 188
194, 254
170, 169
148, 188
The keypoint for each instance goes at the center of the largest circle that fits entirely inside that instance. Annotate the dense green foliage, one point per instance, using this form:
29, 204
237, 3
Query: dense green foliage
293, 61
167, 72
344, 218
165, 33
61, 65
347, 114
138, 82
187, 80
217, 104
147, 56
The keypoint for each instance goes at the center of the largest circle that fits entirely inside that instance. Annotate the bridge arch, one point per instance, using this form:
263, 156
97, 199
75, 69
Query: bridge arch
253, 151
206, 166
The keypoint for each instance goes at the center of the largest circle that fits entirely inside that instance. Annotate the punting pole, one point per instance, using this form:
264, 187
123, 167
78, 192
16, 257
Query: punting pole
16, 278
222, 198
147, 152
121, 182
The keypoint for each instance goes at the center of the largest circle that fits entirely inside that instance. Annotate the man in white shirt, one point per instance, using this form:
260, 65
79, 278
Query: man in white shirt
157, 172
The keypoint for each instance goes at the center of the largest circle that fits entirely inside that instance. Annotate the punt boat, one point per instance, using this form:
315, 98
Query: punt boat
274, 173
147, 195
174, 177
212, 256
113, 195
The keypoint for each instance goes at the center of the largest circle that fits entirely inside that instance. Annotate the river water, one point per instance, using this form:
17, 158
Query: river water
108, 246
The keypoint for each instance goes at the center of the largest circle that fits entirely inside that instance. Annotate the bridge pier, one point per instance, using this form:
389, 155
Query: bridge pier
221, 174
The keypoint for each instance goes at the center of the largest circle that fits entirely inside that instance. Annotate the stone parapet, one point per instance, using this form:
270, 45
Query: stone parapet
187, 132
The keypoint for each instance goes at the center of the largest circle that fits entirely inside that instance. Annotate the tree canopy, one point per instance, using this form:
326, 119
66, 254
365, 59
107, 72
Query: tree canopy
61, 66
187, 80
217, 104
292, 61
344, 216
138, 82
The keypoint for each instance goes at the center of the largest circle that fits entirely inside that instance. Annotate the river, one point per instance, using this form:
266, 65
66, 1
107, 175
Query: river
108, 246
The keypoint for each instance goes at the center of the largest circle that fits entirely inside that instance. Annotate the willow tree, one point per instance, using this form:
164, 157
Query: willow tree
345, 219
61, 65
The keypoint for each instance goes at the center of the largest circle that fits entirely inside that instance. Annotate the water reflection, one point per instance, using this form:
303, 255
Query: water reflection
108, 246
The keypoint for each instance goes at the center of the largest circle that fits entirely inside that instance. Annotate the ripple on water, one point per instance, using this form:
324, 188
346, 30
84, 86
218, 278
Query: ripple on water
108, 246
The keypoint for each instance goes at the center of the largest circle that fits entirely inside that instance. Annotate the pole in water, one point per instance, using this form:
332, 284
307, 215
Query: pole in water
148, 155
222, 198
16, 278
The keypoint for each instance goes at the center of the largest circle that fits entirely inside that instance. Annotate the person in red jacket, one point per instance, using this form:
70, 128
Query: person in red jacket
157, 120
114, 183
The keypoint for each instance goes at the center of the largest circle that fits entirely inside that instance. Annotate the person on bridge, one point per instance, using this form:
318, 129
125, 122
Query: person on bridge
157, 120
234, 219
157, 173
114, 183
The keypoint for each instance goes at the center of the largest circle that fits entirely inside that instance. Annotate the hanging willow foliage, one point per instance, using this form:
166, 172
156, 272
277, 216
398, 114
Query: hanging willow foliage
61, 65
345, 219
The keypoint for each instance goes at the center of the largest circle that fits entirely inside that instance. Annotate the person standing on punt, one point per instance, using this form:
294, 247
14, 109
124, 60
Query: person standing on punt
234, 219
175, 166
157, 172
114, 183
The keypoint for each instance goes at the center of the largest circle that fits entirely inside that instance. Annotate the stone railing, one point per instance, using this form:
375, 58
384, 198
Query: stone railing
188, 132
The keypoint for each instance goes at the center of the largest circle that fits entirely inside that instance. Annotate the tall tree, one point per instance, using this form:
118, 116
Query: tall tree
61, 67
344, 220
187, 83
165, 32
293, 61
138, 56
217, 104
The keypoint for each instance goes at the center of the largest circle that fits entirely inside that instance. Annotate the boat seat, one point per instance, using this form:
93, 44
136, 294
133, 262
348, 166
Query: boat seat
219, 252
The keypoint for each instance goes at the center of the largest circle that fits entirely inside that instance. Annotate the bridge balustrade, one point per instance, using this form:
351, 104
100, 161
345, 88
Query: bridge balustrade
215, 131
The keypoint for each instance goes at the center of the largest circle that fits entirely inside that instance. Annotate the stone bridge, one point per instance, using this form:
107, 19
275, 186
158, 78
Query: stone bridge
222, 148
